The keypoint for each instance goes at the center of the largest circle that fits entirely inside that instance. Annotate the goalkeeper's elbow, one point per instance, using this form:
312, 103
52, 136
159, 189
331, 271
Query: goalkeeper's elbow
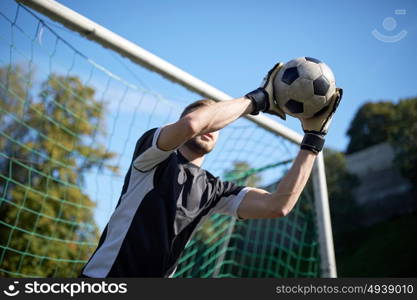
278, 213
192, 126
282, 204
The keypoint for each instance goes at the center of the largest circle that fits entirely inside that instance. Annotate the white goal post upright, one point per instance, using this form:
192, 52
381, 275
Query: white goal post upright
124, 47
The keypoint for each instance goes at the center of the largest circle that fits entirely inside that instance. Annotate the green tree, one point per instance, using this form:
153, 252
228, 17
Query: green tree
372, 124
47, 226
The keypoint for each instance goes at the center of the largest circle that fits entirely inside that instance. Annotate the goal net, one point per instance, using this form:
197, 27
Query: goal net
70, 115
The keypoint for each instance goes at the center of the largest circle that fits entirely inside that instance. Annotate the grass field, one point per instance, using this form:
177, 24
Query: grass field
386, 249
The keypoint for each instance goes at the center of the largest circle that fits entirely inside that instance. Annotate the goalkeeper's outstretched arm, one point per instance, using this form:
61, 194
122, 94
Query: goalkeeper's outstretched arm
211, 118
259, 203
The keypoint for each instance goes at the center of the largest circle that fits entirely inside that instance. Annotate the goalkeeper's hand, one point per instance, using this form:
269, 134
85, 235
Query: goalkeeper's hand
316, 128
263, 98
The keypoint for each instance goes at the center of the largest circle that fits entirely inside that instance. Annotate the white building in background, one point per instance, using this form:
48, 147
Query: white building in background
383, 192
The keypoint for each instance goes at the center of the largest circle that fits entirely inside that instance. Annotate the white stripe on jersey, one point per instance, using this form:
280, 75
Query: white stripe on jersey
139, 185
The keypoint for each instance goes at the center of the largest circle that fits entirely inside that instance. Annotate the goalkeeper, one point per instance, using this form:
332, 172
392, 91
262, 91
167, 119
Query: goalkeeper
166, 194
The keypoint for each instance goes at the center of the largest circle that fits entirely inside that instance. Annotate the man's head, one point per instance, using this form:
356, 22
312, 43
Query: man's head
201, 144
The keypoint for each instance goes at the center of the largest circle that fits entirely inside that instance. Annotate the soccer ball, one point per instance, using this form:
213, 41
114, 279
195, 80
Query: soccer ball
304, 86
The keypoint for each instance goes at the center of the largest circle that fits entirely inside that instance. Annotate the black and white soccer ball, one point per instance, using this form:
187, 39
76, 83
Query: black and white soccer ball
304, 86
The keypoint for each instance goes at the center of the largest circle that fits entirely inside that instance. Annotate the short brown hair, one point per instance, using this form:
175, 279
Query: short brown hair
190, 107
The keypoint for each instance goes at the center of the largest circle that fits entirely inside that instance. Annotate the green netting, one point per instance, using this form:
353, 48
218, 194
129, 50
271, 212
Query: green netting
68, 127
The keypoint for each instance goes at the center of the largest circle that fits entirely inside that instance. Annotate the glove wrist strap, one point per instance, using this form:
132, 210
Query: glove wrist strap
313, 142
260, 102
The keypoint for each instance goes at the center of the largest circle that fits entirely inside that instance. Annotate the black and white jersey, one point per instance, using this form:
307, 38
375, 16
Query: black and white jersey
163, 201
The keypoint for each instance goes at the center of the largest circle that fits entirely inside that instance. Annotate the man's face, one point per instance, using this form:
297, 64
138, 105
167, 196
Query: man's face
203, 144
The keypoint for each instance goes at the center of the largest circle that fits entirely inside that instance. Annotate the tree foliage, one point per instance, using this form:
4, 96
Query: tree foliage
372, 124
47, 226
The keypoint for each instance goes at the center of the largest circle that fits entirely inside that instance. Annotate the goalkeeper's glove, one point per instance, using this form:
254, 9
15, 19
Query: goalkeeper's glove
263, 98
316, 128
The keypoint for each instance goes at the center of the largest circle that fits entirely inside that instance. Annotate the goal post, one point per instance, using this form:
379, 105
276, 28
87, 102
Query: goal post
122, 46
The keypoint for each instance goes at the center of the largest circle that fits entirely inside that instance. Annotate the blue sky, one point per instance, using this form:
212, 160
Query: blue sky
231, 44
